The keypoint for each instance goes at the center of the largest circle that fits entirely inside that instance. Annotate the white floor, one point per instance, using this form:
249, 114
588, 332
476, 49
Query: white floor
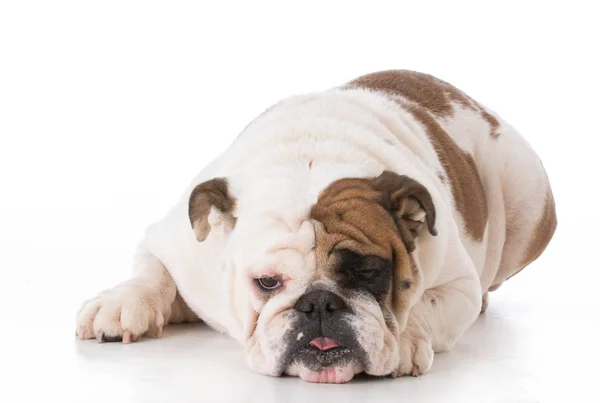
537, 342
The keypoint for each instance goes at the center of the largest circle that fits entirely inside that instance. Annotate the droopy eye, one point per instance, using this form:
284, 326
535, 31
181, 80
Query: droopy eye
366, 274
269, 283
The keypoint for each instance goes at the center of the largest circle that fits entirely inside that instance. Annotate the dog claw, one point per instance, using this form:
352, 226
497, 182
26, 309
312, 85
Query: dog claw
126, 337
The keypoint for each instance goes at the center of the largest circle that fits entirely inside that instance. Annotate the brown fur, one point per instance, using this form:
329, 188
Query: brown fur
465, 183
406, 198
422, 89
211, 193
543, 231
493, 122
429, 92
430, 97
357, 214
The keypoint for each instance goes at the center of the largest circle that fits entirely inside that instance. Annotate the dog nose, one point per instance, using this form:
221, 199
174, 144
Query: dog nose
320, 302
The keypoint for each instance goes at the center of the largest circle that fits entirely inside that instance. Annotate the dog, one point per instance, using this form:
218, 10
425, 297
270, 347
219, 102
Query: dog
358, 229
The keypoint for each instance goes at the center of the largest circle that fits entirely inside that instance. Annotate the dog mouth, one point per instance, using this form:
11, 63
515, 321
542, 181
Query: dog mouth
318, 359
325, 360
323, 352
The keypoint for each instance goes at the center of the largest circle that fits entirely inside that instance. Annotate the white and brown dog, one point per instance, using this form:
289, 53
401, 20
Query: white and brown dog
354, 230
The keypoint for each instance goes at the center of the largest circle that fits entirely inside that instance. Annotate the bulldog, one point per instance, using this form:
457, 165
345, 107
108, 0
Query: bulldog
353, 230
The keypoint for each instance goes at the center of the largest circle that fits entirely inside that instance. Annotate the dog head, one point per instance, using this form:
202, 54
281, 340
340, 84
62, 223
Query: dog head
324, 294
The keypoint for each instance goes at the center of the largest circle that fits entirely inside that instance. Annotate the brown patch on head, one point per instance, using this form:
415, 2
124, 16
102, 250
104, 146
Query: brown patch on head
429, 97
374, 217
436, 96
543, 231
212, 193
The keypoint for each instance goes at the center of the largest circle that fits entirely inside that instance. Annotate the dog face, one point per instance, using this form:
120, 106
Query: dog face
325, 295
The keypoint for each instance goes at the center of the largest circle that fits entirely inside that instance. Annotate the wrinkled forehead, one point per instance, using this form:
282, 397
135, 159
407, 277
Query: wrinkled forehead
347, 215
282, 241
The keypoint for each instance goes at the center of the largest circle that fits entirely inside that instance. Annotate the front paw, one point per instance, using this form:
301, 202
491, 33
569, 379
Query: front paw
416, 355
123, 313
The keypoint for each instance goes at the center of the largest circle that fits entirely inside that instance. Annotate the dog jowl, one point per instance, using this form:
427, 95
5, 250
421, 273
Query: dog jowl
323, 342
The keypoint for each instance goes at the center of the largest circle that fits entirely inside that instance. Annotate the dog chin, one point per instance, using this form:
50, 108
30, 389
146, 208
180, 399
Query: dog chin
335, 374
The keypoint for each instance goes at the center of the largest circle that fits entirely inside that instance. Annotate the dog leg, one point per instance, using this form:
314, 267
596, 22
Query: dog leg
436, 322
138, 306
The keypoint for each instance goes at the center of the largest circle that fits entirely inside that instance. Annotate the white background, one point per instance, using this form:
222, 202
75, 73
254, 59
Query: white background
108, 109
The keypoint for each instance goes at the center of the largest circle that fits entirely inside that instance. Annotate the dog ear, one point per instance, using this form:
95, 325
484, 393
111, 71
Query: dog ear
409, 203
212, 193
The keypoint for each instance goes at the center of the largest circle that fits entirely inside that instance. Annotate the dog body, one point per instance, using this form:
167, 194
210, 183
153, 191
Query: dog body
357, 229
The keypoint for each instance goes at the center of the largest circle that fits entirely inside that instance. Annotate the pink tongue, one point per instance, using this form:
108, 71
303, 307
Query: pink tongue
324, 343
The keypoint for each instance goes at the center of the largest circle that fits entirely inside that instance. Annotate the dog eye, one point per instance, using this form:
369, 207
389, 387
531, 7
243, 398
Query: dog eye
366, 274
269, 283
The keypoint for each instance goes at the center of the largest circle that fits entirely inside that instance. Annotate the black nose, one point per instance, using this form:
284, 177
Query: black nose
320, 302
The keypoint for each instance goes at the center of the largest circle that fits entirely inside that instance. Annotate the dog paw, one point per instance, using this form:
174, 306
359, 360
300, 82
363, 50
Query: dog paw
416, 355
123, 313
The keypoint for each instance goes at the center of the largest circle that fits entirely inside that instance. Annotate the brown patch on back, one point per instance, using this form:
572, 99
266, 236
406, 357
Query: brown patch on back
435, 98
543, 231
465, 183
493, 122
429, 92
425, 90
